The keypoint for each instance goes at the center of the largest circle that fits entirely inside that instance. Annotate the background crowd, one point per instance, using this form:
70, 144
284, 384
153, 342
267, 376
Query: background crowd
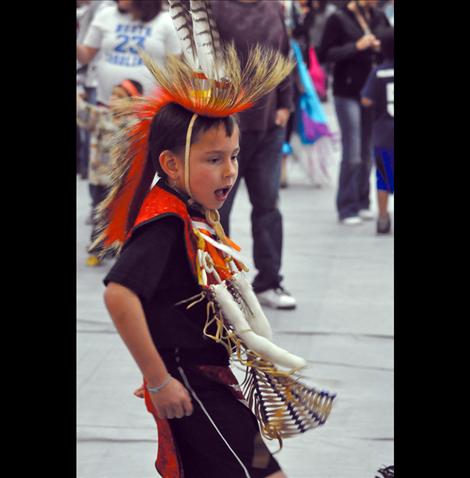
344, 54
337, 46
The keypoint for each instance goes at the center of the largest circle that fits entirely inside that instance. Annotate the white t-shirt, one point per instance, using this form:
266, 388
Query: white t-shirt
85, 15
117, 36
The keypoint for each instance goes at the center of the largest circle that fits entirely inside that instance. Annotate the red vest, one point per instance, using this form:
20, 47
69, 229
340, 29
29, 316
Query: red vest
160, 203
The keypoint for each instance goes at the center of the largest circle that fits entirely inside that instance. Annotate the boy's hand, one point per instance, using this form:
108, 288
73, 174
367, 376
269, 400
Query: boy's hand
173, 401
140, 392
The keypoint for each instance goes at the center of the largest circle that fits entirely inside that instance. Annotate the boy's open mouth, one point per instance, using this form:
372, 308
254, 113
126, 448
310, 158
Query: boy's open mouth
222, 193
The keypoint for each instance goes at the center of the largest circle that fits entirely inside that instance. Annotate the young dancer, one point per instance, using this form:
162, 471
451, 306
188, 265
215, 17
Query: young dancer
176, 293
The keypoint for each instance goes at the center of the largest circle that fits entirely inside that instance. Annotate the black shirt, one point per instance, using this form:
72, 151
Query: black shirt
154, 265
338, 46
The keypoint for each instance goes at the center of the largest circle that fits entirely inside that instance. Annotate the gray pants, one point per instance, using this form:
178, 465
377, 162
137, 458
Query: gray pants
260, 165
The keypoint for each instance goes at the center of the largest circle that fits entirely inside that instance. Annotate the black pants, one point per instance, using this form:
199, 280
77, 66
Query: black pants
260, 166
221, 438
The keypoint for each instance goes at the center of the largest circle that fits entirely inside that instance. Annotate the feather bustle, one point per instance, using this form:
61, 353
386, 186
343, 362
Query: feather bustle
128, 156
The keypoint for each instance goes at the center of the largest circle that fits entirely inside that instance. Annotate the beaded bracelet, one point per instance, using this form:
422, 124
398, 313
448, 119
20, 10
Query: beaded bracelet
157, 388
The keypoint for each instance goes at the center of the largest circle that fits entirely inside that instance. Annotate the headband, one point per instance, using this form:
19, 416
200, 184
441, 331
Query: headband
130, 88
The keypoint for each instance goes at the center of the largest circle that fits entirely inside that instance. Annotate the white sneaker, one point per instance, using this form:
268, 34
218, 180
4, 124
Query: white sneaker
351, 221
366, 215
277, 299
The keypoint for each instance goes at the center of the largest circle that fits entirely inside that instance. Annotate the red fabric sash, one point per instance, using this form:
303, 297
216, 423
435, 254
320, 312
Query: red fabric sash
168, 462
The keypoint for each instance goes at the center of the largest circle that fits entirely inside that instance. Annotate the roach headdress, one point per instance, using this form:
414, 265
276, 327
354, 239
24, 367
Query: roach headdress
207, 80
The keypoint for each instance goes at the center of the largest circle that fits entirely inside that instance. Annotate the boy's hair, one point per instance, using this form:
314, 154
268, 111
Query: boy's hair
169, 127
387, 41
168, 132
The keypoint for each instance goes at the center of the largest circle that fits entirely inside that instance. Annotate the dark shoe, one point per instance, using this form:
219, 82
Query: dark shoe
386, 472
384, 225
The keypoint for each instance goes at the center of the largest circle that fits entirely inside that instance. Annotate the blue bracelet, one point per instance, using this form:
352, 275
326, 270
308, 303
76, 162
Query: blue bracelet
157, 388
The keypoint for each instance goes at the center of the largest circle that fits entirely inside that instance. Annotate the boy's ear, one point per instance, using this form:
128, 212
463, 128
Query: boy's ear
169, 163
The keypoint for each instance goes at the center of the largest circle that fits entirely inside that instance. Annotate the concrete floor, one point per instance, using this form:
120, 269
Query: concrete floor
342, 279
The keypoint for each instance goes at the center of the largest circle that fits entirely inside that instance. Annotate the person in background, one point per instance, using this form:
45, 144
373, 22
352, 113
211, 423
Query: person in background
86, 75
118, 32
350, 42
295, 17
322, 10
246, 23
303, 18
378, 93
308, 23
102, 125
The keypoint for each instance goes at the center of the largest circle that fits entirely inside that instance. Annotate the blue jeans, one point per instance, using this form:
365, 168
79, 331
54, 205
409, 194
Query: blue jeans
355, 123
259, 163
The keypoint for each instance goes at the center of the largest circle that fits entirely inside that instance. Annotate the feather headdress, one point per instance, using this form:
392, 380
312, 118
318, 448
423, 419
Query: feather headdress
207, 80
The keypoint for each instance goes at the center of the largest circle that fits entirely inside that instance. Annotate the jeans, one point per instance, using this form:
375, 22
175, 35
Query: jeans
355, 123
259, 163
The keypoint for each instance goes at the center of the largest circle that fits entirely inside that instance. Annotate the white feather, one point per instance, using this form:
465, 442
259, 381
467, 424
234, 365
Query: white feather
183, 24
207, 39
